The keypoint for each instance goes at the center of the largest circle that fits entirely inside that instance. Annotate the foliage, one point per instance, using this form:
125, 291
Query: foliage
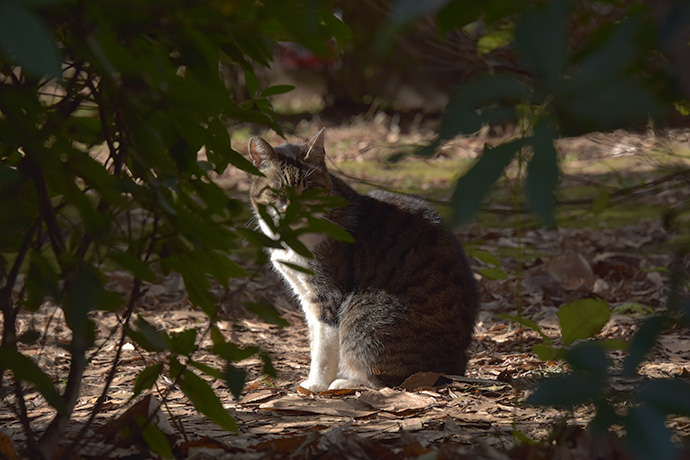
561, 84
103, 108
622, 71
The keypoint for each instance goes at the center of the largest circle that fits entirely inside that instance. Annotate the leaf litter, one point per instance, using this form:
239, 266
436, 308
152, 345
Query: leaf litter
479, 415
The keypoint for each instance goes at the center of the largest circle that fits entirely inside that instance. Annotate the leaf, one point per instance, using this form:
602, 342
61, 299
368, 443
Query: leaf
472, 187
299, 268
647, 434
542, 172
235, 378
183, 343
567, 391
148, 337
494, 40
540, 36
296, 245
206, 369
267, 367
547, 352
669, 396
329, 228
407, 10
489, 100
205, 400
589, 357
276, 89
25, 40
26, 370
147, 378
484, 256
492, 273
341, 31
582, 319
156, 440
527, 323
264, 310
135, 266
600, 202
642, 343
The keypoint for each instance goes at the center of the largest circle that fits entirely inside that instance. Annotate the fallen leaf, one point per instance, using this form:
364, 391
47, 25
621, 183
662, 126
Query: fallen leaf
397, 402
421, 380
342, 407
7, 447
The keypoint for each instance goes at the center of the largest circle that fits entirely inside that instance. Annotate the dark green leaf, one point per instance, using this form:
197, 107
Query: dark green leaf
527, 323
540, 36
206, 369
156, 439
543, 172
147, 378
231, 352
268, 368
487, 100
26, 40
647, 434
205, 400
329, 228
183, 343
589, 357
296, 245
235, 378
42, 280
264, 310
28, 337
567, 391
642, 343
275, 90
408, 10
341, 31
299, 268
26, 370
135, 266
669, 396
476, 182
148, 337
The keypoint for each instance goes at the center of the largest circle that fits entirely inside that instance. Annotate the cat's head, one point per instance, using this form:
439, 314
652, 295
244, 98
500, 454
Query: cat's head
299, 166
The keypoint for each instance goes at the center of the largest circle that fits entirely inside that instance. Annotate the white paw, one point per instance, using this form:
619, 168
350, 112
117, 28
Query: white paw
347, 384
314, 386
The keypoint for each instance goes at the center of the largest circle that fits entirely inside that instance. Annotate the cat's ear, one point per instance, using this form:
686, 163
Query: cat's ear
315, 151
260, 151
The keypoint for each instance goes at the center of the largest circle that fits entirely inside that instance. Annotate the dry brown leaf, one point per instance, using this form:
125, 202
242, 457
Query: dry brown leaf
396, 402
7, 448
573, 271
148, 409
342, 407
421, 380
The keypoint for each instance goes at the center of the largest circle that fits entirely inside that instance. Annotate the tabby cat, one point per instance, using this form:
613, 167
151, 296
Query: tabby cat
398, 300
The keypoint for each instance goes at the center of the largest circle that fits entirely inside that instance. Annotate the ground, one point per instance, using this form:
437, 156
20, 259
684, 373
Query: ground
616, 250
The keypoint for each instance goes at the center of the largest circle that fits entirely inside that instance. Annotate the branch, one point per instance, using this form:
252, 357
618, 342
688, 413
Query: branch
75, 445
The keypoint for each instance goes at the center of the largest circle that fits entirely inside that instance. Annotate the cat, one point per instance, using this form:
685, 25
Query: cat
398, 300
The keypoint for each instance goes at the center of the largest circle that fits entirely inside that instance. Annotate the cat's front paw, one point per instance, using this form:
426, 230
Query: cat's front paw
347, 384
314, 386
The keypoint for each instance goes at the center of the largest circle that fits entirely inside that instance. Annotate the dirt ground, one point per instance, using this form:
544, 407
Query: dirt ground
479, 416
